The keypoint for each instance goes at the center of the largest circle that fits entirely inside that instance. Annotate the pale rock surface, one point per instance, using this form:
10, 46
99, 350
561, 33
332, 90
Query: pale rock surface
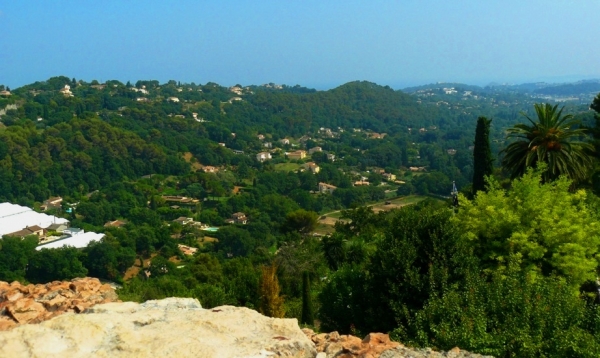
173, 327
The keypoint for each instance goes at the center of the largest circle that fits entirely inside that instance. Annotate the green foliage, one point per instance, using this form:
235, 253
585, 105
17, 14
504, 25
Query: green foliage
333, 250
550, 229
138, 290
235, 241
347, 302
482, 154
101, 260
301, 221
160, 266
206, 269
421, 255
418, 254
14, 257
307, 303
60, 264
212, 296
432, 183
509, 315
552, 139
241, 279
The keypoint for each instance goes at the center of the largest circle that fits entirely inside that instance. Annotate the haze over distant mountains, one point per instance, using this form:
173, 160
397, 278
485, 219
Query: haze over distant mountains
591, 87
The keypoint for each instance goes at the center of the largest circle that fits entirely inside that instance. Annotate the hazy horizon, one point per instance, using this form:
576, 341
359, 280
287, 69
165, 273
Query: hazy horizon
310, 43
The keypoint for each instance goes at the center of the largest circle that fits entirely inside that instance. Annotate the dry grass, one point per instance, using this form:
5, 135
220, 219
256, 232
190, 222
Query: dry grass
134, 270
331, 218
188, 158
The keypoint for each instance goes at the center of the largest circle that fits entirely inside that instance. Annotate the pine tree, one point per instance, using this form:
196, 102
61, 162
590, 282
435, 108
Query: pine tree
307, 305
482, 154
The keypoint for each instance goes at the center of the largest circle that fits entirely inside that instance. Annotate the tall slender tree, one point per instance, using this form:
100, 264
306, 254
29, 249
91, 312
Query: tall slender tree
307, 305
482, 154
595, 131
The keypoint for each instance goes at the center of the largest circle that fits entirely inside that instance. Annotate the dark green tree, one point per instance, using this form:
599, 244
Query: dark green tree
420, 255
55, 264
509, 314
595, 131
404, 157
301, 221
482, 154
307, 304
101, 260
14, 257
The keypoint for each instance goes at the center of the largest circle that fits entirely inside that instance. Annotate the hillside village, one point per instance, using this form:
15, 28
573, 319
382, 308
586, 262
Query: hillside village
286, 200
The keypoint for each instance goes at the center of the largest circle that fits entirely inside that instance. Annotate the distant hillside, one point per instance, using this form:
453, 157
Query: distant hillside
432, 86
591, 86
543, 88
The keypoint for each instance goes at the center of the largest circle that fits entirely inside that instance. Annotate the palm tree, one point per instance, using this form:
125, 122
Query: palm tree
552, 139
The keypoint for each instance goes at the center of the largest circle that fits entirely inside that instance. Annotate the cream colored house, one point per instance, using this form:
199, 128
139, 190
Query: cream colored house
389, 176
312, 166
297, 155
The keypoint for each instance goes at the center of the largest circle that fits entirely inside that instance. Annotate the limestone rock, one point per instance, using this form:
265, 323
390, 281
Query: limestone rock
346, 346
374, 345
174, 327
21, 304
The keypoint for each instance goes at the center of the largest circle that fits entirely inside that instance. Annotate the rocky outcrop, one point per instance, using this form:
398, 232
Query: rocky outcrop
403, 352
21, 304
374, 345
335, 345
173, 327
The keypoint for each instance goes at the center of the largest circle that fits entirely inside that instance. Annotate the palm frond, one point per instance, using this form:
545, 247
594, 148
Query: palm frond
551, 138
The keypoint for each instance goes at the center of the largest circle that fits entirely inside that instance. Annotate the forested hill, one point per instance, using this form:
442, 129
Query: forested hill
361, 105
68, 135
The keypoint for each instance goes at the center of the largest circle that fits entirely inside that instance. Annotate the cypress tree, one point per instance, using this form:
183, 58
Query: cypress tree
482, 154
307, 305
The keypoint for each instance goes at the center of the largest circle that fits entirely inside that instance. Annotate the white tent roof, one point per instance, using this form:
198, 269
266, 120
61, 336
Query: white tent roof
77, 241
16, 217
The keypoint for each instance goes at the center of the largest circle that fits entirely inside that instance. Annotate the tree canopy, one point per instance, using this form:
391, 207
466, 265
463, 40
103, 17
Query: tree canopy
550, 229
551, 138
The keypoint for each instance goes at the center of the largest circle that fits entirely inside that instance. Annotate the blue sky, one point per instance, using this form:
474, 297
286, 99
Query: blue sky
319, 44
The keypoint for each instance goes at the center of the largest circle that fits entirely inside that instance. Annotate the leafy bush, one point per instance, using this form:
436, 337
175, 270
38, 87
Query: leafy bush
515, 315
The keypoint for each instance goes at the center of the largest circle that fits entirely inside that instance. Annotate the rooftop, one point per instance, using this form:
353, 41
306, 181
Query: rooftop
16, 217
77, 241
